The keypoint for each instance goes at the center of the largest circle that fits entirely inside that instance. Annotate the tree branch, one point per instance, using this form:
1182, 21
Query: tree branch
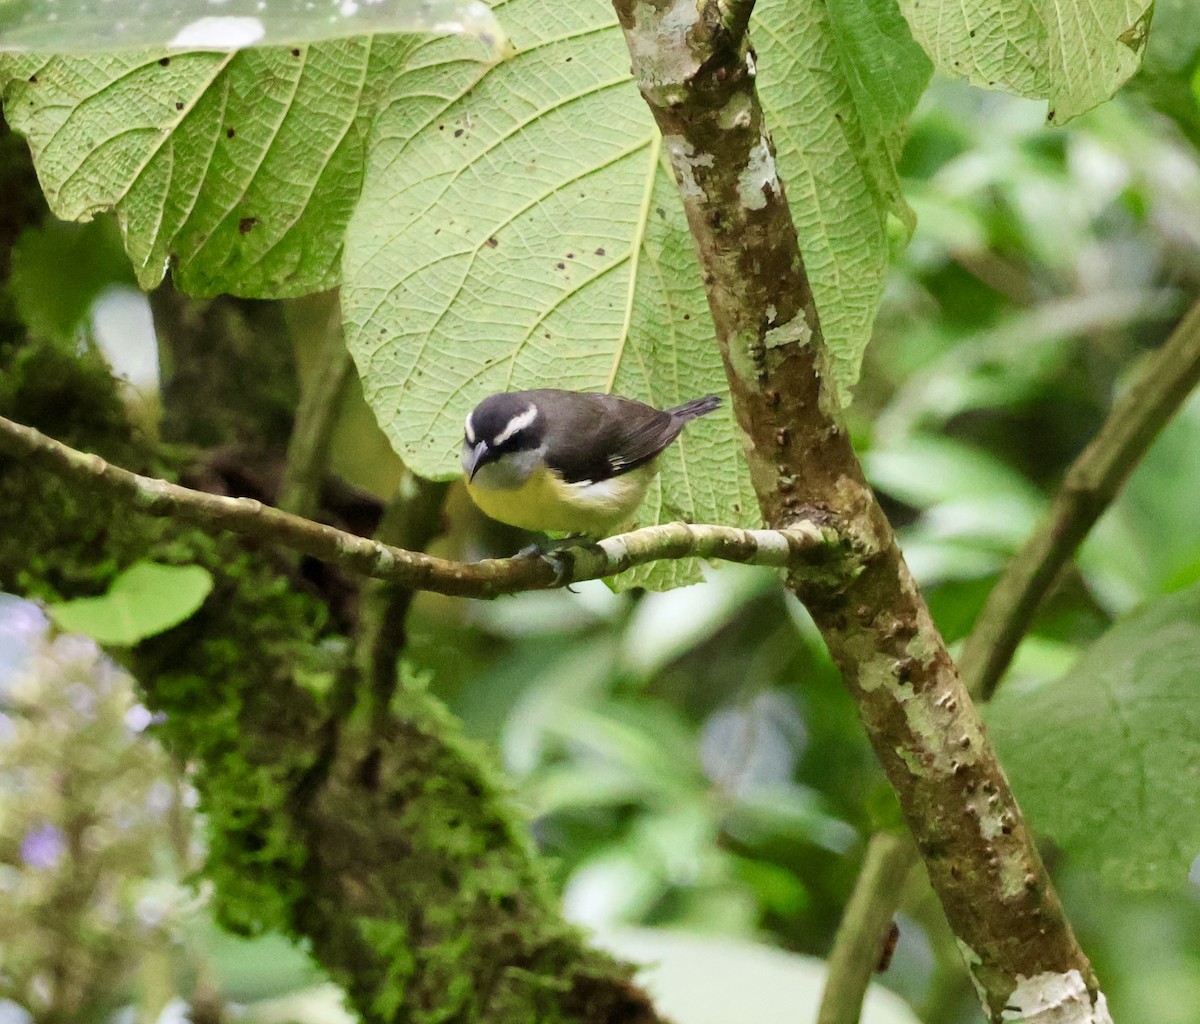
927, 734
316, 418
804, 547
1089, 487
865, 923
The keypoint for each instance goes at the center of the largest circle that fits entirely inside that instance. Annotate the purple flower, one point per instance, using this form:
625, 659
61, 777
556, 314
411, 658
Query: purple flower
43, 847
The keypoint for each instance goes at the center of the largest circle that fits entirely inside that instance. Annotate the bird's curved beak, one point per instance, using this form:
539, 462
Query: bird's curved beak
476, 458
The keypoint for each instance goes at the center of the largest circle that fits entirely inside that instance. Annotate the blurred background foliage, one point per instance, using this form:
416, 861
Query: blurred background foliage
689, 758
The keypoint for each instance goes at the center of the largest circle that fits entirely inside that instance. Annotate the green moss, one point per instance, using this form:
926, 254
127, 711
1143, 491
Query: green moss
223, 678
388, 841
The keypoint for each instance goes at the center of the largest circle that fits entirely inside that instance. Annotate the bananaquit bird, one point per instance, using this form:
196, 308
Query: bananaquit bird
567, 461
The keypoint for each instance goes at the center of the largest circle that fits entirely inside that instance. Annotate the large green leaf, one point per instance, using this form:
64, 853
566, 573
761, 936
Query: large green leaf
529, 232
1074, 53
525, 232
86, 26
240, 168
144, 600
518, 224
1106, 760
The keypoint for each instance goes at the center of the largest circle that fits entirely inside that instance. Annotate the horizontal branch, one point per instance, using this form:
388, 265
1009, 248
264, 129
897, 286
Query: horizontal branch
802, 546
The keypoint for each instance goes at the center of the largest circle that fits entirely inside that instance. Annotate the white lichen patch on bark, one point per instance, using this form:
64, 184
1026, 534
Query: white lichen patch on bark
746, 357
1055, 998
685, 160
736, 113
659, 45
758, 179
795, 332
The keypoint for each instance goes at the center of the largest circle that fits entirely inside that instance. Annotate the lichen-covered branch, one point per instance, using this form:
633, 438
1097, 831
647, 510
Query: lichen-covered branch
806, 548
697, 77
1091, 483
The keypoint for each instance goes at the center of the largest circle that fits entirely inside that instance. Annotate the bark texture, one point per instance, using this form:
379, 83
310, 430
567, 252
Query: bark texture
695, 68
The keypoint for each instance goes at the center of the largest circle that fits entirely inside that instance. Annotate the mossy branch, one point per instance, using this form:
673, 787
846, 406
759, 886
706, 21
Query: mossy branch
804, 547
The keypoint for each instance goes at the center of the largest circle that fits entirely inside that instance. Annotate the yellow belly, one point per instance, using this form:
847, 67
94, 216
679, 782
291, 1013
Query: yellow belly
546, 504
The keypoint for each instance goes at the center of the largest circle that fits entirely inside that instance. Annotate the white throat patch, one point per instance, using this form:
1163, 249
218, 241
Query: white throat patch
516, 424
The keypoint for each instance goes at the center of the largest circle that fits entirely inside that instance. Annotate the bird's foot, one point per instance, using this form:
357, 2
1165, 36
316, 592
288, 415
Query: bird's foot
549, 549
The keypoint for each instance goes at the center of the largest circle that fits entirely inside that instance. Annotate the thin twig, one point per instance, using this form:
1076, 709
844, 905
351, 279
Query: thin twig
411, 521
865, 922
1089, 487
316, 417
804, 545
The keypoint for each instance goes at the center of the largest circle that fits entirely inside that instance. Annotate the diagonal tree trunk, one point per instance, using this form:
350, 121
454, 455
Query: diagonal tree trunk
695, 67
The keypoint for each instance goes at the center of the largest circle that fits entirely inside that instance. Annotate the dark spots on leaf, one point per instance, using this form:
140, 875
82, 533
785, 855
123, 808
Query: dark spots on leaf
661, 212
179, 104
296, 52
437, 231
569, 59
441, 127
600, 251
230, 133
687, 316
570, 255
546, 335
164, 61
561, 266
972, 33
492, 242
737, 508
838, 118
458, 132
246, 224
33, 79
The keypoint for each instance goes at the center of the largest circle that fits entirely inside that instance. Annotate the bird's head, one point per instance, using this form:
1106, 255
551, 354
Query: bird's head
503, 440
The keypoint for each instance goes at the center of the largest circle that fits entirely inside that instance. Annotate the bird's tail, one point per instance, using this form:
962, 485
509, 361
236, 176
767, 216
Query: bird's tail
696, 407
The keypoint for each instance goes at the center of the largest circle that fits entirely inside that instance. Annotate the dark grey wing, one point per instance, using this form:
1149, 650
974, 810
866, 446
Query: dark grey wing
599, 436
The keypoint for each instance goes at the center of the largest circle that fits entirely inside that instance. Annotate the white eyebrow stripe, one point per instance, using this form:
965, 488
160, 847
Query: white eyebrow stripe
517, 423
469, 428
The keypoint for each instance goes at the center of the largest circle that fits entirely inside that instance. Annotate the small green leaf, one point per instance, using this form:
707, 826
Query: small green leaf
247, 970
1074, 53
147, 598
1106, 760
88, 26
